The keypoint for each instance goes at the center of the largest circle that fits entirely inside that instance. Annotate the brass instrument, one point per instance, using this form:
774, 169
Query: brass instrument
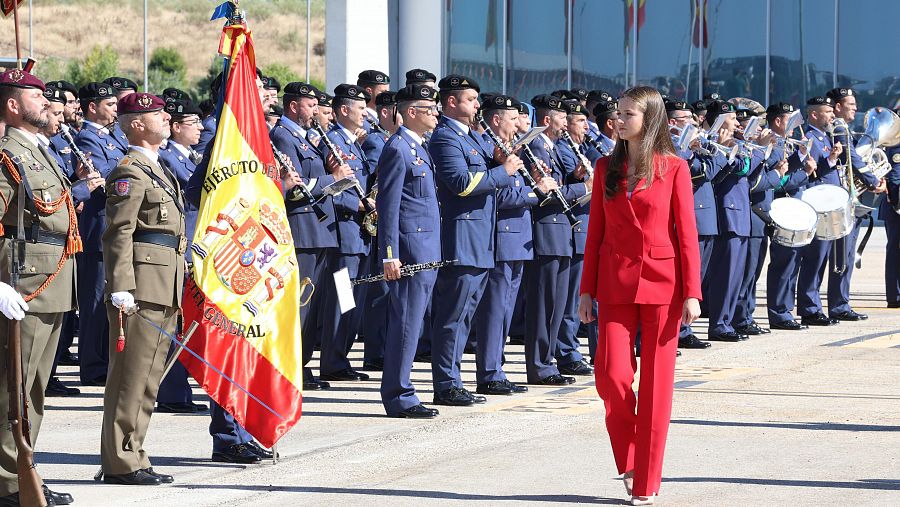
370, 221
300, 191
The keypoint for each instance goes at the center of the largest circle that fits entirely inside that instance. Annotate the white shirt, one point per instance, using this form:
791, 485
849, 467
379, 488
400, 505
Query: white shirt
462, 126
97, 126
351, 135
181, 149
150, 154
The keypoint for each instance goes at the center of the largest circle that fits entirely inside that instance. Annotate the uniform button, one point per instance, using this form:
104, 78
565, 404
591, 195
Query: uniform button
507, 227
701, 205
554, 219
147, 258
731, 205
33, 269
305, 209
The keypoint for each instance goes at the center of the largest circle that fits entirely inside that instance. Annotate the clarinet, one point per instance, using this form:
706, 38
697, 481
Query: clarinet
406, 270
584, 160
336, 153
595, 145
301, 188
542, 197
377, 126
555, 194
67, 136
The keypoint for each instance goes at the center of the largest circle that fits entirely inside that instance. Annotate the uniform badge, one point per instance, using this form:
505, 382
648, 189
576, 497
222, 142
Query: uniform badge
163, 214
123, 187
418, 161
473, 151
65, 151
517, 183
110, 146
304, 147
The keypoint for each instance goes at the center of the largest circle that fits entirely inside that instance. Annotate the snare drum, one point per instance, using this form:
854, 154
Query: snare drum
835, 210
794, 222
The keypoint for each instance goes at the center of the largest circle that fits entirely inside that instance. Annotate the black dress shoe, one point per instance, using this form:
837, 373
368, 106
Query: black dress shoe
422, 358
56, 498
555, 380
163, 478
56, 389
788, 325
236, 453
576, 368
516, 388
97, 382
728, 336
137, 478
818, 319
418, 412
692, 342
68, 359
517, 339
494, 387
345, 375
453, 397
752, 329
849, 315
313, 384
475, 397
261, 451
374, 365
13, 500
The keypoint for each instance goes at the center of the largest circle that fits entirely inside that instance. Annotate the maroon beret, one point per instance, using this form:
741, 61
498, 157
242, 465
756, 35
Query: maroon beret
21, 79
137, 103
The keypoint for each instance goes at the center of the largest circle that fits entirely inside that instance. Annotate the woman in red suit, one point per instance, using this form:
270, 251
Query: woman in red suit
642, 266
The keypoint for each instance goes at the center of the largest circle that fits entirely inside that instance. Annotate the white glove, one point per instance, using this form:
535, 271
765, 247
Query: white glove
122, 300
11, 303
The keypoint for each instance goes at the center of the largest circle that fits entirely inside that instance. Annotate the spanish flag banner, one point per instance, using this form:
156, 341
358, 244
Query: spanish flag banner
244, 289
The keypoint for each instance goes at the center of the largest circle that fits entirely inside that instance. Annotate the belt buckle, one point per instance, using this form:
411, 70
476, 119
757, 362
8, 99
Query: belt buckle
182, 244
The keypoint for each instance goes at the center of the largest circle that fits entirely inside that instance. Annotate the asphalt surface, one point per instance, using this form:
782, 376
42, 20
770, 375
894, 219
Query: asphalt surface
789, 418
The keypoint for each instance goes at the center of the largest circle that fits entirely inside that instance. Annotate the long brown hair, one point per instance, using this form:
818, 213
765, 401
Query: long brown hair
656, 141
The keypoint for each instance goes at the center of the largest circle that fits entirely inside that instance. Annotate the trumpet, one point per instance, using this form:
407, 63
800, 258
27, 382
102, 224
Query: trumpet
690, 132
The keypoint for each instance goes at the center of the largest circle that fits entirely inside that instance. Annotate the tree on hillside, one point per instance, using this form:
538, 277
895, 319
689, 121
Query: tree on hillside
100, 63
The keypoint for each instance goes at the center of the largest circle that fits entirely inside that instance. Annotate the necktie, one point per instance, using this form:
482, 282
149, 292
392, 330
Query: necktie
195, 156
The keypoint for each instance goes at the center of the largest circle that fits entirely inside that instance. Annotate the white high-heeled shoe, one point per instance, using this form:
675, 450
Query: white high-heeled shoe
628, 480
643, 500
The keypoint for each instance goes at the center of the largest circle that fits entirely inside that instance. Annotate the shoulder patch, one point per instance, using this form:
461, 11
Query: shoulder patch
122, 186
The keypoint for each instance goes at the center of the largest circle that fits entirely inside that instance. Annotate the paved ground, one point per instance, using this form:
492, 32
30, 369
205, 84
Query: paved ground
790, 418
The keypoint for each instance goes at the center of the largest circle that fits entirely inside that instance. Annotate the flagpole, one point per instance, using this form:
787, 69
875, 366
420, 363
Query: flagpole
146, 79
30, 30
308, 11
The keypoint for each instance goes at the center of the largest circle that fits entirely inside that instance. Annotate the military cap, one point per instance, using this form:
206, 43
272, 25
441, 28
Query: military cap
172, 93
137, 103
121, 83
605, 108
324, 99
548, 102
580, 93
599, 96
677, 105
181, 107
720, 107
270, 83
498, 102
521, 107
54, 94
564, 94
699, 106
385, 99
709, 97
21, 79
96, 91
416, 92
743, 114
301, 90
457, 82
352, 92
575, 107
64, 86
275, 110
780, 108
820, 101
836, 94
418, 76
372, 77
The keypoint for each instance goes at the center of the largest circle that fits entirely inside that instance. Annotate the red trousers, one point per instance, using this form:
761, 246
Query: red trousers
638, 437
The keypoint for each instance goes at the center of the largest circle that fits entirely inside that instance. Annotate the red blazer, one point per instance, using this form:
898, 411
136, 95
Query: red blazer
631, 254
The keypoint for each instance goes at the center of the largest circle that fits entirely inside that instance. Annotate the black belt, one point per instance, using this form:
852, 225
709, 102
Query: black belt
45, 237
161, 239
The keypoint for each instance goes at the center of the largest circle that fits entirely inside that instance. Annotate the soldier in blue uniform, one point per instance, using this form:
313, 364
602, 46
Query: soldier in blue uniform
98, 139
313, 239
175, 394
594, 98
703, 170
889, 211
467, 178
422, 77
568, 358
839, 283
547, 276
814, 257
409, 232
768, 178
387, 126
513, 247
373, 82
209, 123
122, 86
784, 262
732, 194
339, 330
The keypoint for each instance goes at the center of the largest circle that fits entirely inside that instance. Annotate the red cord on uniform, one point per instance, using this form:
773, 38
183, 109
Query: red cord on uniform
120, 341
